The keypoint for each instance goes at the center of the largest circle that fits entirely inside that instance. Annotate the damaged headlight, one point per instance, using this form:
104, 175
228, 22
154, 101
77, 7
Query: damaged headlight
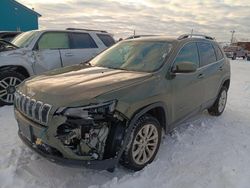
87, 112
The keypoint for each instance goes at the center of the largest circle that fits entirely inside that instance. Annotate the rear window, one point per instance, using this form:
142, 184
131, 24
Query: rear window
207, 53
106, 39
82, 40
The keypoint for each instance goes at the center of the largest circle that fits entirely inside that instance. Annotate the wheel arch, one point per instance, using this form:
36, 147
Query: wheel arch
147, 109
158, 110
18, 68
226, 83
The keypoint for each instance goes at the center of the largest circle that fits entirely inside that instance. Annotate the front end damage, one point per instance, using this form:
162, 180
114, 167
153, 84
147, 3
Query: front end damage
80, 136
94, 132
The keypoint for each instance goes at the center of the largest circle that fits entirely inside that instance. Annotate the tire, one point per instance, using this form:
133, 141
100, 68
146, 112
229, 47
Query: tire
142, 149
9, 80
219, 106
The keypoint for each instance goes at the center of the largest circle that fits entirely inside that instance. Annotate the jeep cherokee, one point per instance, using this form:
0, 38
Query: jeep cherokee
116, 107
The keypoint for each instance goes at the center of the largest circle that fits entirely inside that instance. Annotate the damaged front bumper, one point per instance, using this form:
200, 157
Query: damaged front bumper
45, 141
51, 156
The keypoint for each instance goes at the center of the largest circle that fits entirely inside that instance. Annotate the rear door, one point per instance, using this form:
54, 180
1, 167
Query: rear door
212, 67
187, 88
47, 54
82, 48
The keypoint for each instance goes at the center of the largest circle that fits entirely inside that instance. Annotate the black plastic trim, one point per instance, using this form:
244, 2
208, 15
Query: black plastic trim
93, 164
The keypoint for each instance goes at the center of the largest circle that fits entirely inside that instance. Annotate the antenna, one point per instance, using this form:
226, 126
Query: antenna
192, 31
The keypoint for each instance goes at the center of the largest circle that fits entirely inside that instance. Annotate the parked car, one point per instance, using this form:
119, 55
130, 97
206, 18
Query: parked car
43, 50
8, 35
116, 107
235, 51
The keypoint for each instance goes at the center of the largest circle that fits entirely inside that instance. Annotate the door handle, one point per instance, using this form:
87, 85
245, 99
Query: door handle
220, 68
68, 54
200, 76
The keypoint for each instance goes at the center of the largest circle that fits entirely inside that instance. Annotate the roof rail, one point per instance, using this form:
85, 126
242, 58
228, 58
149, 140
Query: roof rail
139, 36
195, 35
81, 29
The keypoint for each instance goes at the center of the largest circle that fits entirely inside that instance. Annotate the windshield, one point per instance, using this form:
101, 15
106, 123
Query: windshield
24, 39
142, 56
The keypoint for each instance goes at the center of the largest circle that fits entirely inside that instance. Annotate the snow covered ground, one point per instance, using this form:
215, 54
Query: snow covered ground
204, 152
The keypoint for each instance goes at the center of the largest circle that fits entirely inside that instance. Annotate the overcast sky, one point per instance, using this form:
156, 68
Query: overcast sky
170, 17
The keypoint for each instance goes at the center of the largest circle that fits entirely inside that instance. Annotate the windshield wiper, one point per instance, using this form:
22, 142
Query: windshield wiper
86, 63
117, 68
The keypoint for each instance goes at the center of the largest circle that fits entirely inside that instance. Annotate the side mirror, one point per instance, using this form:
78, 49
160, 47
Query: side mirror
184, 67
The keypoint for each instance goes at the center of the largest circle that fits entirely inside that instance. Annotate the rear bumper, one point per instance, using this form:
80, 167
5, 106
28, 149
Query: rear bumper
93, 164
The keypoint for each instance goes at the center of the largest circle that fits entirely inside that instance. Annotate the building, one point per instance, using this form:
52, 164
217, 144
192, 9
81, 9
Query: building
16, 17
245, 45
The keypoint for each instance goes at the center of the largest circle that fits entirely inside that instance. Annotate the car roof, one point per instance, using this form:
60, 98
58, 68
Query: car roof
76, 31
153, 38
169, 39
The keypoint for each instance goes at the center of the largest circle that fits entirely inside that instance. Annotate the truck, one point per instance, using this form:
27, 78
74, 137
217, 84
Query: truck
235, 51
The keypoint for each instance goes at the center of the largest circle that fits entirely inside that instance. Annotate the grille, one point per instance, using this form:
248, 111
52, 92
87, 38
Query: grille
35, 110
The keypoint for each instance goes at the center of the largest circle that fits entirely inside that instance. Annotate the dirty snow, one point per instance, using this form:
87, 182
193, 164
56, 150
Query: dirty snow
204, 152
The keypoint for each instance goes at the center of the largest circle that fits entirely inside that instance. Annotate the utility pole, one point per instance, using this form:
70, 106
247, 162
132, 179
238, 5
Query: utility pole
232, 38
134, 34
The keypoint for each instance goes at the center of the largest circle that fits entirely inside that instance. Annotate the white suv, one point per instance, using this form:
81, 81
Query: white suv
37, 51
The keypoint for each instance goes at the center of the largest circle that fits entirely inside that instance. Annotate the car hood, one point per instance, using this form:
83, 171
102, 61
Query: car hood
15, 52
74, 86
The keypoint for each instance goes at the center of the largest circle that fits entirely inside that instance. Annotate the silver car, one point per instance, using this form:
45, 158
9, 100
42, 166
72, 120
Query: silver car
38, 51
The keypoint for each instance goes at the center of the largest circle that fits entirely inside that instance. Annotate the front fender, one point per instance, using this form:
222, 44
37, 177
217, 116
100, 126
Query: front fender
17, 60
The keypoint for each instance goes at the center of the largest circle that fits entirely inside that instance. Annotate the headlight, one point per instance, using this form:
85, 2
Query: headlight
87, 112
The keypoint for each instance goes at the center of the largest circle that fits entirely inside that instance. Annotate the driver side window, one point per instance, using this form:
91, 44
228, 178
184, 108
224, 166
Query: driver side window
53, 40
189, 53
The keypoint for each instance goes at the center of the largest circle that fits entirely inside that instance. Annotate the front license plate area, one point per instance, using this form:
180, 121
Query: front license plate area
26, 131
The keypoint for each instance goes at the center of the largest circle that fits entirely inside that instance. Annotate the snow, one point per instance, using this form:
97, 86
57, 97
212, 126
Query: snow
204, 152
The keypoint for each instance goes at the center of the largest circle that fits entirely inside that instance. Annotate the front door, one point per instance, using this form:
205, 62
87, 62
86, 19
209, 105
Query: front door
187, 88
47, 55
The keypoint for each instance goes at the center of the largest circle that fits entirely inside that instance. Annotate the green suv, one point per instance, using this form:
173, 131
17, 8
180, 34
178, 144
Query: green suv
116, 107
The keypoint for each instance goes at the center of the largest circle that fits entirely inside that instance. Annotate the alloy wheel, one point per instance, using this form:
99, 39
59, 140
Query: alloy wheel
7, 88
145, 144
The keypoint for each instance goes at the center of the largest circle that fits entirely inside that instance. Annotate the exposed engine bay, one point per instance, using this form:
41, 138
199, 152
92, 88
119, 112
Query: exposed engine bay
98, 138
